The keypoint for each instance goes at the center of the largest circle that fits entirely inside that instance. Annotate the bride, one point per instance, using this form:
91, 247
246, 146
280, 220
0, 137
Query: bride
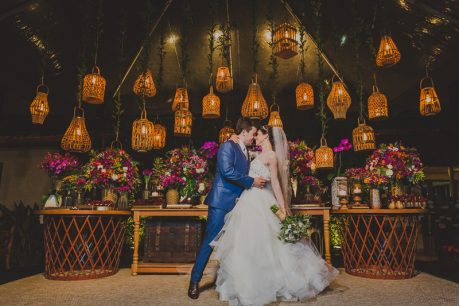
256, 268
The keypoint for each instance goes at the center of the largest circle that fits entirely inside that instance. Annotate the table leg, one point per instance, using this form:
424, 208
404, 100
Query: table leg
135, 257
326, 218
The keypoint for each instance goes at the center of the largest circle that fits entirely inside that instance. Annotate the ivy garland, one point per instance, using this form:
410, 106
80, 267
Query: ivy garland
272, 58
255, 43
185, 27
161, 55
211, 40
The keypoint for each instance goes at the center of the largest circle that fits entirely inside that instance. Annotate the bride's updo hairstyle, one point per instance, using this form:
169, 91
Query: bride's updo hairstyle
266, 129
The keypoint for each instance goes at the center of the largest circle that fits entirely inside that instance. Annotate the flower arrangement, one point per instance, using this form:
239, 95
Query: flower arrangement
113, 168
301, 160
356, 174
311, 183
147, 176
343, 146
209, 149
185, 170
59, 165
75, 182
293, 228
395, 163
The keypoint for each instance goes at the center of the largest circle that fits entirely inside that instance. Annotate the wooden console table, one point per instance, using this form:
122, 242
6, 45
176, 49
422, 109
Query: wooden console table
82, 244
155, 211
379, 243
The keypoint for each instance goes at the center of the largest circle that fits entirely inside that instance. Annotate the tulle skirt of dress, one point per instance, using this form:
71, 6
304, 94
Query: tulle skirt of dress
256, 268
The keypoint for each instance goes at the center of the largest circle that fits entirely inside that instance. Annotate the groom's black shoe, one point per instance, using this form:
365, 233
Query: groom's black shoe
193, 290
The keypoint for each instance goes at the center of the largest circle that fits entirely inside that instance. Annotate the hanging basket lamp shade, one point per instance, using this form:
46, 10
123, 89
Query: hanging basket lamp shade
211, 105
226, 132
363, 137
254, 106
183, 122
94, 87
304, 96
274, 116
338, 101
76, 137
429, 104
144, 85
377, 105
181, 98
285, 44
142, 133
224, 80
388, 54
159, 136
39, 108
324, 155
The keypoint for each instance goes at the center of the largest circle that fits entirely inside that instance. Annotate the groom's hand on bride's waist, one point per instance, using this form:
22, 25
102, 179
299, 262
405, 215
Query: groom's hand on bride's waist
259, 182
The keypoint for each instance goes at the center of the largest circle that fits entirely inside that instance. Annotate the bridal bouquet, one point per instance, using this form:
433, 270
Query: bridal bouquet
293, 228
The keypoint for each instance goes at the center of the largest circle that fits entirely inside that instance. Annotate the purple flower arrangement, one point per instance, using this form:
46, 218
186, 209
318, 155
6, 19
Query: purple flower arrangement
59, 165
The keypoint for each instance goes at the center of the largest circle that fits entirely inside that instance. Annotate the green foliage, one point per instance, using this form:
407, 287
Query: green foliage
294, 228
335, 233
255, 43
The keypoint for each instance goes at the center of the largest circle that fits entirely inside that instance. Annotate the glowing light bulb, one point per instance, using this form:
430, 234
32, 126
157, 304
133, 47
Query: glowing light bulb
93, 80
255, 105
286, 33
305, 96
428, 98
78, 132
365, 137
143, 130
387, 47
212, 102
218, 34
340, 91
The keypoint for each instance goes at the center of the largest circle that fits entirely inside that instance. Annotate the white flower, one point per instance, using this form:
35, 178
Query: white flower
125, 174
201, 187
125, 169
313, 167
114, 177
100, 167
389, 172
103, 171
184, 178
389, 166
200, 170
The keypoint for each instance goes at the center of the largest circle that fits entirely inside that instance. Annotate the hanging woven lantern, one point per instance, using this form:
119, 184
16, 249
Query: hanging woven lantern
304, 96
429, 104
377, 105
76, 137
144, 85
388, 54
183, 122
181, 98
94, 87
142, 133
285, 44
226, 132
274, 117
211, 105
338, 100
324, 155
224, 80
159, 138
39, 108
363, 137
254, 106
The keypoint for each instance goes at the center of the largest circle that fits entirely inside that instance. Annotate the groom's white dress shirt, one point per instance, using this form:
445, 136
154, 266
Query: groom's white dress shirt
243, 148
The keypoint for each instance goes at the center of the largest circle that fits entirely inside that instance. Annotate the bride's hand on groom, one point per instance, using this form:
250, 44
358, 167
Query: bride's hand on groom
234, 138
259, 182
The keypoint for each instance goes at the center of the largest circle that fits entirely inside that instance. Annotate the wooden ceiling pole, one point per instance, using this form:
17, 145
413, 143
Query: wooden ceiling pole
322, 54
136, 57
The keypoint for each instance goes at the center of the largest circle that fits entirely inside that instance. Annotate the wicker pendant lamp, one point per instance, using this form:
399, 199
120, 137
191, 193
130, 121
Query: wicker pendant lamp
429, 104
226, 132
254, 105
363, 136
388, 54
338, 101
144, 85
76, 137
94, 87
142, 133
274, 116
377, 105
159, 136
304, 96
211, 105
285, 44
183, 121
224, 80
181, 98
39, 108
324, 155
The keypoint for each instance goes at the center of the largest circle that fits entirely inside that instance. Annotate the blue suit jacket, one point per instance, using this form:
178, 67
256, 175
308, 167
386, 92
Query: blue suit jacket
231, 177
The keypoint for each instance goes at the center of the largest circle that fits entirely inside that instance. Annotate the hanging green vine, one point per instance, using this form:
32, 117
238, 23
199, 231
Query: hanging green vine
225, 42
98, 29
161, 55
211, 39
358, 30
83, 52
185, 27
255, 43
272, 58
303, 49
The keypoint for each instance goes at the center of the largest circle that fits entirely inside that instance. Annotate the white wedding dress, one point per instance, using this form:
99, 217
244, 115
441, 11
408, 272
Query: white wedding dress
255, 267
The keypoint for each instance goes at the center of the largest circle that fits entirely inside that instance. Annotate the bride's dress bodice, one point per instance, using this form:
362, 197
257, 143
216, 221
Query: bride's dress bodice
258, 168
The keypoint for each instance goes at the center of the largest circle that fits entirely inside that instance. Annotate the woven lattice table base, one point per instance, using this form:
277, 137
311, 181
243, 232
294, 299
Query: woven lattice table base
379, 246
82, 246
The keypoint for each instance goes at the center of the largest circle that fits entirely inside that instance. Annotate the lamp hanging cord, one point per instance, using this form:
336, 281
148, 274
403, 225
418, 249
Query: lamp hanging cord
98, 31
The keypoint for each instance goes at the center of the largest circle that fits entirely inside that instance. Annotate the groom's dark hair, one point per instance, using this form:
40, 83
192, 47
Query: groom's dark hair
246, 124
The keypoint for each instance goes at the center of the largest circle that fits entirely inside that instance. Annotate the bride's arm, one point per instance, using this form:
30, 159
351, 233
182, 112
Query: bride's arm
275, 182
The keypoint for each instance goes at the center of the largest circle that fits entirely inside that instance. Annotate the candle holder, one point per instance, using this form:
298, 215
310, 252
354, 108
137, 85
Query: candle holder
343, 201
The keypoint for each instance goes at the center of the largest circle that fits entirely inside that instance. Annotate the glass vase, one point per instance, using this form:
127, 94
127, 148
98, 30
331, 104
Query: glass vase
375, 199
123, 201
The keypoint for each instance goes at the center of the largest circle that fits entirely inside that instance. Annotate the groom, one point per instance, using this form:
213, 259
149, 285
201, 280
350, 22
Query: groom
231, 178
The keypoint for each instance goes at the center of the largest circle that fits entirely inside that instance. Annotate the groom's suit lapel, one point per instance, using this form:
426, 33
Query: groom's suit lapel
239, 149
